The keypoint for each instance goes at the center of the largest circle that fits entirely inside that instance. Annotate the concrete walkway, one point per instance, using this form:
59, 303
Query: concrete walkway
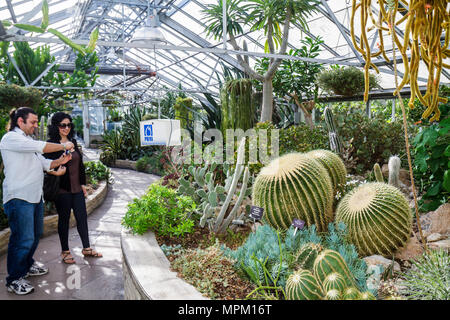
89, 278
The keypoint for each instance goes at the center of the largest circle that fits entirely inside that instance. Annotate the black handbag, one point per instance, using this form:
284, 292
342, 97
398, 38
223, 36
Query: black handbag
51, 187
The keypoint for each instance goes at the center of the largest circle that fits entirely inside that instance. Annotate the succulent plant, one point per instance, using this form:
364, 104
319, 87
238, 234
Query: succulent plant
334, 165
307, 254
294, 186
302, 285
333, 294
330, 261
378, 173
334, 281
378, 218
350, 293
394, 171
335, 139
366, 296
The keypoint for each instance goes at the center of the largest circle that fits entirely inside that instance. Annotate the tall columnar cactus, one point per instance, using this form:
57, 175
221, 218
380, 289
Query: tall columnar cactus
334, 281
330, 261
334, 165
42, 135
378, 218
394, 171
335, 139
302, 285
307, 254
294, 186
378, 173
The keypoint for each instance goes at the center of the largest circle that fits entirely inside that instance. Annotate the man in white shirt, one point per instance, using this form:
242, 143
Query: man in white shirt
22, 195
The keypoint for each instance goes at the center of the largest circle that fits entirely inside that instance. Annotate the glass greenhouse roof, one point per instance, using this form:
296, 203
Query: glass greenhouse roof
180, 63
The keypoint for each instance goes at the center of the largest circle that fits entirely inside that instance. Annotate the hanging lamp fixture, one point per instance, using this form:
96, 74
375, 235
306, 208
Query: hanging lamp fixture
151, 32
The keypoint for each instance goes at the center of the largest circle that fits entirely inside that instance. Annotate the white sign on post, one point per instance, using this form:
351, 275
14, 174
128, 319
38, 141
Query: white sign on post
162, 132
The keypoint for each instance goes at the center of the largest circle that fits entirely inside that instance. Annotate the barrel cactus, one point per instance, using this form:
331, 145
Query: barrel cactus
302, 285
307, 254
351, 294
294, 186
334, 166
333, 294
366, 296
378, 218
334, 281
330, 261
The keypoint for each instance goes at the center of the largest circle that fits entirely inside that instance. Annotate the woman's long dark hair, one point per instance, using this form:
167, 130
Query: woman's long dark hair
53, 129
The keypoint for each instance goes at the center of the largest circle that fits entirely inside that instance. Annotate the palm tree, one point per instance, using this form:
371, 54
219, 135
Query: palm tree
267, 15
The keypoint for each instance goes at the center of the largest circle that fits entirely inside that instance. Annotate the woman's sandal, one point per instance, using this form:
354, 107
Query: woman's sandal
66, 259
91, 253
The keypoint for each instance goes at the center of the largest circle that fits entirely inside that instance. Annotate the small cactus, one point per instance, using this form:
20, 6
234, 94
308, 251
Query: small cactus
366, 296
330, 261
334, 281
302, 285
394, 171
351, 294
335, 139
378, 218
307, 254
333, 294
378, 173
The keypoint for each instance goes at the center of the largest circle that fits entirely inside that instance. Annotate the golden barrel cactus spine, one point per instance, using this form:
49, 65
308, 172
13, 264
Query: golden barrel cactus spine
378, 218
294, 186
330, 261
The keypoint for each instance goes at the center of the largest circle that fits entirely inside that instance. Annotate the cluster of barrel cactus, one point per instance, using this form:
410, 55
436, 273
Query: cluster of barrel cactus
218, 204
328, 278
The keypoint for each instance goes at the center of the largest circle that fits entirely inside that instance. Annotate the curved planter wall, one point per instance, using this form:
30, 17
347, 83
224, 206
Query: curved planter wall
146, 271
51, 222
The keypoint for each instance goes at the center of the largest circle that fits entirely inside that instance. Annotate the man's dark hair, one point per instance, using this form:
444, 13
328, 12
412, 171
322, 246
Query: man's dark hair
53, 129
15, 114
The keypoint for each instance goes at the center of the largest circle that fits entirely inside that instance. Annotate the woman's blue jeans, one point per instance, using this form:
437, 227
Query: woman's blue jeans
26, 221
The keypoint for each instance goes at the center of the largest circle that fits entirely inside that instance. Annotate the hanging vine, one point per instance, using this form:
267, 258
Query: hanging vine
426, 22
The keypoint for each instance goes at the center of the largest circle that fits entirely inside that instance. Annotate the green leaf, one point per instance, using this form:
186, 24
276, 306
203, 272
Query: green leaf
28, 27
6, 23
434, 190
421, 162
92, 41
446, 183
447, 151
67, 41
44, 23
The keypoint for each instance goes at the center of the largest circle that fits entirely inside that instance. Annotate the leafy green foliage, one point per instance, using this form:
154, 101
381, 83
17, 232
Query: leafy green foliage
12, 95
96, 171
432, 164
429, 278
162, 211
346, 81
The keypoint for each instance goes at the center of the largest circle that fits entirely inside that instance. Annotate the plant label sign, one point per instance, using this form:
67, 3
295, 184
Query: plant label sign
298, 224
256, 213
164, 132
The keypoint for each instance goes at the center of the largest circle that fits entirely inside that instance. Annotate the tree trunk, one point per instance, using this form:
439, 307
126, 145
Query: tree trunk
308, 119
267, 101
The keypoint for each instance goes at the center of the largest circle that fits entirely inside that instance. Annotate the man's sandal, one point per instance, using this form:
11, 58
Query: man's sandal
91, 253
66, 259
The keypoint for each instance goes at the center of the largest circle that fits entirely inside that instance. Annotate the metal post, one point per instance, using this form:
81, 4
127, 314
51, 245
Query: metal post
224, 23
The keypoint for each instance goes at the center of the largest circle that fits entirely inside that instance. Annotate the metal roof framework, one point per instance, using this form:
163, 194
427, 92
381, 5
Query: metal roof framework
189, 59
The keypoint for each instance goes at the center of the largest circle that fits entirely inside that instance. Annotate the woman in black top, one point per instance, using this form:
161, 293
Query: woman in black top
72, 188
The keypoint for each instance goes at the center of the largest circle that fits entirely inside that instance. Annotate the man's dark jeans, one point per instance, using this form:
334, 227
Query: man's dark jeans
26, 221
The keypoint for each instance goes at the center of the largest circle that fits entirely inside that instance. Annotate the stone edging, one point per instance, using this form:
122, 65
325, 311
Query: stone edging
146, 271
51, 222
124, 164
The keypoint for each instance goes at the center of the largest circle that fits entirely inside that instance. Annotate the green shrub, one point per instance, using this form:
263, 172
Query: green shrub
346, 81
429, 278
97, 171
141, 164
162, 211
373, 140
